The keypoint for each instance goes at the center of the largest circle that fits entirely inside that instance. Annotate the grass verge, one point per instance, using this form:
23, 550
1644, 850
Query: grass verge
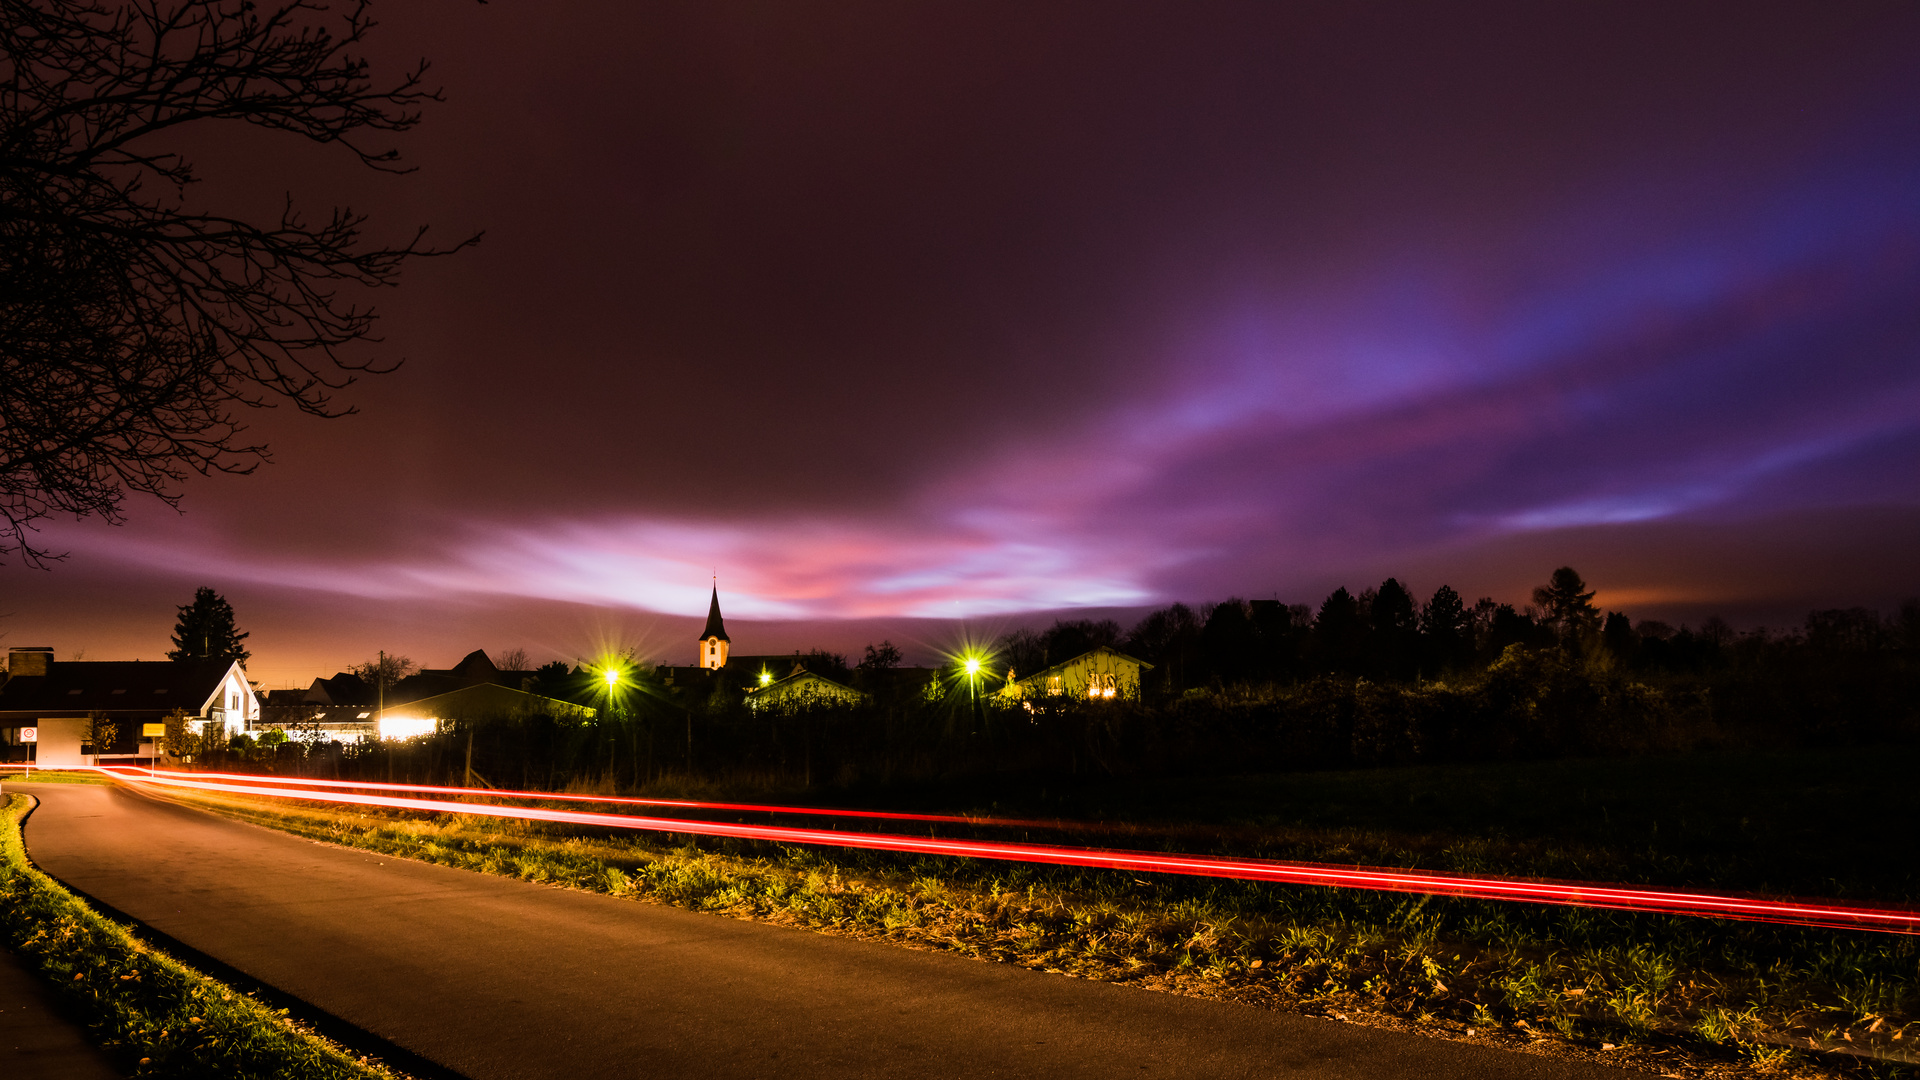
155, 1016
1677, 996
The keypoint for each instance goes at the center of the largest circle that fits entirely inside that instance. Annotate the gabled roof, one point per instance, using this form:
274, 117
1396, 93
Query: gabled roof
1095, 651
77, 687
715, 628
345, 688
477, 666
796, 684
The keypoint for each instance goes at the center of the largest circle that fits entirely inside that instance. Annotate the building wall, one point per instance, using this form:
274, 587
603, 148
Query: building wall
235, 703
713, 653
59, 746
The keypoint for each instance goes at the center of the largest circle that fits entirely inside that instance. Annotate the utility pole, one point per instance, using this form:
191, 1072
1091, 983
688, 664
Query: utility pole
380, 708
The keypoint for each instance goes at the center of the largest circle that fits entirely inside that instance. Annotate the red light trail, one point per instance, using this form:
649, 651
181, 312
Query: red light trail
1789, 912
555, 796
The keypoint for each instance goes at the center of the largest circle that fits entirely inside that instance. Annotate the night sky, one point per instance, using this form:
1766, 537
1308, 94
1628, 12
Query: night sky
895, 313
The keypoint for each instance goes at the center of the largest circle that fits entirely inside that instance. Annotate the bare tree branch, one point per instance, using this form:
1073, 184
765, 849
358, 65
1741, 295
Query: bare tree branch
132, 329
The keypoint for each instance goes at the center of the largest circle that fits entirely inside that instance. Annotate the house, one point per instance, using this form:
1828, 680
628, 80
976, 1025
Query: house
802, 689
1102, 673
351, 709
44, 704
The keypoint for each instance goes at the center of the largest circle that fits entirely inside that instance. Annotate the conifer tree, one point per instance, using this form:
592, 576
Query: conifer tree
205, 630
1566, 605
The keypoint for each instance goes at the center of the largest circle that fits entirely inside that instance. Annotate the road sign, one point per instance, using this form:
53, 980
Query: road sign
29, 734
152, 730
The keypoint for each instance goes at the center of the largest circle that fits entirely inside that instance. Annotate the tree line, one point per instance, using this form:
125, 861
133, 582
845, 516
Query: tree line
1384, 634
1366, 679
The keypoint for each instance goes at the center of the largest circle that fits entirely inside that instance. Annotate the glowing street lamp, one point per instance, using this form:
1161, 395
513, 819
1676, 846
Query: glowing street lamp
613, 677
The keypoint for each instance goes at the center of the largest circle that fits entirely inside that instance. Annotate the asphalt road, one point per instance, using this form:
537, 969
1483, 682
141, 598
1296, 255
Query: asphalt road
491, 977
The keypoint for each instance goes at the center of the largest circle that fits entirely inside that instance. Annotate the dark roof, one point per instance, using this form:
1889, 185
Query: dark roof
424, 685
345, 688
114, 686
326, 714
780, 664
477, 668
491, 701
715, 628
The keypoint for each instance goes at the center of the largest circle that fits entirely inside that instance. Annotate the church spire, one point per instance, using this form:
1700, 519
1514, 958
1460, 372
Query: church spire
713, 640
715, 628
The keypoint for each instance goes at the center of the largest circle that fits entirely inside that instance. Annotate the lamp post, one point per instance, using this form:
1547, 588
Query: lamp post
973, 695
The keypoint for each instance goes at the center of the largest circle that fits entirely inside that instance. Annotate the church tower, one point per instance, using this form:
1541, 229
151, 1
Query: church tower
713, 640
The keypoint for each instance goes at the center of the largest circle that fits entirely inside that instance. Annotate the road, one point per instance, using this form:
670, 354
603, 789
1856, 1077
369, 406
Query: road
491, 977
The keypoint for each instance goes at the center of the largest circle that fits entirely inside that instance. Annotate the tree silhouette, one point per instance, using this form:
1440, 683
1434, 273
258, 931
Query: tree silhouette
1395, 633
205, 630
135, 325
1446, 630
1566, 605
1228, 641
1170, 640
1618, 637
1339, 633
383, 671
884, 657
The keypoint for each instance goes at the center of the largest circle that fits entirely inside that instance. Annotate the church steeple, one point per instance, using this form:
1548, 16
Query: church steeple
713, 640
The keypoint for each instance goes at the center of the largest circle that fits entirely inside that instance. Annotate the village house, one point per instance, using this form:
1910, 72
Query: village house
1103, 673
802, 689
45, 704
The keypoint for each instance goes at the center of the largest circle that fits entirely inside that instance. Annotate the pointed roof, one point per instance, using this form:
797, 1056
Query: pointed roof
476, 666
715, 628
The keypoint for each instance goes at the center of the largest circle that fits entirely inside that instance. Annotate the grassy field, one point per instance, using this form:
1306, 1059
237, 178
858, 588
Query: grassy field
1680, 996
154, 1016
1837, 823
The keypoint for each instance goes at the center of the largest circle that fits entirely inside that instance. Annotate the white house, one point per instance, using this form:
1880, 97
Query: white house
52, 700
